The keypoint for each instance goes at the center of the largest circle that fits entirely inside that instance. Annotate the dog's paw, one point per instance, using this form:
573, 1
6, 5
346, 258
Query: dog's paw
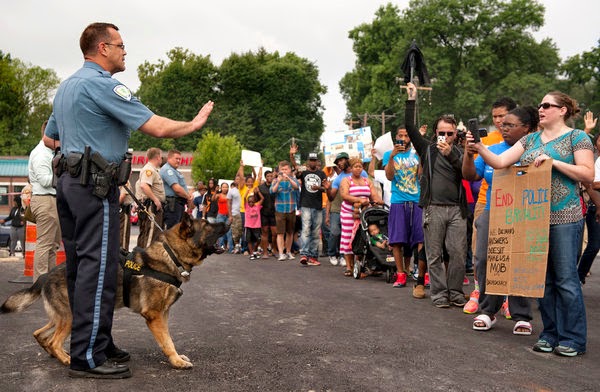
180, 362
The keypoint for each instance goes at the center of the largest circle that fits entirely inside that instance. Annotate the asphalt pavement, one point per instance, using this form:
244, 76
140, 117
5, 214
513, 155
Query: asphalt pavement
279, 326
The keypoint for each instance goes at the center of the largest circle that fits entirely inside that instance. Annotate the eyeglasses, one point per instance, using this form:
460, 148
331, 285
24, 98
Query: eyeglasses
122, 46
442, 133
548, 105
511, 126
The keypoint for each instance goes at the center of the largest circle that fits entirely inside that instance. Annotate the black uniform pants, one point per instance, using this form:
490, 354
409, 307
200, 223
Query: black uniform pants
90, 230
173, 211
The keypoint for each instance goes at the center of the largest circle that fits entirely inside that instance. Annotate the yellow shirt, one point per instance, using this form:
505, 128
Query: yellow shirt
243, 192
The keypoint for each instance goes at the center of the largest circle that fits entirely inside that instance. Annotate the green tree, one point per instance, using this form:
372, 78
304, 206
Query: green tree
269, 99
12, 104
476, 51
25, 93
176, 89
264, 99
216, 156
582, 79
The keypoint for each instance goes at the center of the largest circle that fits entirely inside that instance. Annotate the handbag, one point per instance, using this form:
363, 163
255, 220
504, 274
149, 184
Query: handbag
28, 215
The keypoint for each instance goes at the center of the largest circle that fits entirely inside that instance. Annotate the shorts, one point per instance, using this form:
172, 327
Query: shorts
252, 235
267, 220
405, 224
285, 222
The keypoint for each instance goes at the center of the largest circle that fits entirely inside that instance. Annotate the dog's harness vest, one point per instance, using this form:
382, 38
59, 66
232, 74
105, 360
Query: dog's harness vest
131, 267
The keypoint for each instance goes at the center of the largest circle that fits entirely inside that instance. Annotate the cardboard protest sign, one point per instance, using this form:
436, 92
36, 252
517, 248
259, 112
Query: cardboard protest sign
518, 233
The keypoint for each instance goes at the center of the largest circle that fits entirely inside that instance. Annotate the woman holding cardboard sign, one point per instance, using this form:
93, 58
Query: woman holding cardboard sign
562, 307
516, 124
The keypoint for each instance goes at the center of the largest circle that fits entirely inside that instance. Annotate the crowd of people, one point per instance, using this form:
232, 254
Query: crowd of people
436, 230
439, 212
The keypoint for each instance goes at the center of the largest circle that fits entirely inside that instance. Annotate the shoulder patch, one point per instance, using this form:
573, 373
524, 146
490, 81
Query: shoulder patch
170, 172
123, 92
149, 173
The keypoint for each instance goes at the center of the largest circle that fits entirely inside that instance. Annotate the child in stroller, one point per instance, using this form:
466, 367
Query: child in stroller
377, 239
371, 244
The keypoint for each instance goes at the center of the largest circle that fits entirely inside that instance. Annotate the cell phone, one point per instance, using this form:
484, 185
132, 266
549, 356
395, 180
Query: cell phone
473, 127
441, 139
400, 142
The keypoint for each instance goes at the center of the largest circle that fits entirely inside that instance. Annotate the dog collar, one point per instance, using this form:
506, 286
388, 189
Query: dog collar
173, 257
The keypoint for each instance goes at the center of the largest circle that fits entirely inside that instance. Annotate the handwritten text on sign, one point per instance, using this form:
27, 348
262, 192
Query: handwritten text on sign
518, 232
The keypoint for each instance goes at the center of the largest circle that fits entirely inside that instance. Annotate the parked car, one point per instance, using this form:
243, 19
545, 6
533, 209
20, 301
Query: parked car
5, 234
133, 218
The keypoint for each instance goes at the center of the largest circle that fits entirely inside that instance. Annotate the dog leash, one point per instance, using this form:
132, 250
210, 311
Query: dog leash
150, 215
143, 208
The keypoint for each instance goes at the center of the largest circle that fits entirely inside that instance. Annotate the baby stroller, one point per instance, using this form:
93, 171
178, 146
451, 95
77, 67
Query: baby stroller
369, 256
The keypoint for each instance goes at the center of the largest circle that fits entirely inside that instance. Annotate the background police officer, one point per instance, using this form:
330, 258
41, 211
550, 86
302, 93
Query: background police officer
93, 109
151, 192
175, 189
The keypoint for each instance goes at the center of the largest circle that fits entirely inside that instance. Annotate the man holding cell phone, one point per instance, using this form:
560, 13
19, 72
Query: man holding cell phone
405, 225
444, 203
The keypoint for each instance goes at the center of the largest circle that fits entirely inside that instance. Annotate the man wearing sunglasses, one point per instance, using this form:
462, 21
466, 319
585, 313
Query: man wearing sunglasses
444, 204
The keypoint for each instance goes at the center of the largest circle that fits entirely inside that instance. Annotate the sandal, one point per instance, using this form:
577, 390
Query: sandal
522, 328
348, 273
484, 319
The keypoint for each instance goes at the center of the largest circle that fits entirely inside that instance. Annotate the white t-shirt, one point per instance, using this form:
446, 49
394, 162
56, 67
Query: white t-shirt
236, 200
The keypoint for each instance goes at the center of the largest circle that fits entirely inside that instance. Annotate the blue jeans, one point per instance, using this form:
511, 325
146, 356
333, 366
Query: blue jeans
227, 236
311, 228
562, 307
593, 245
335, 231
325, 233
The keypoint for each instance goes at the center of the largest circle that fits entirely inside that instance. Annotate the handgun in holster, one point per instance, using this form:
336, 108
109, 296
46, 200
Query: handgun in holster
58, 166
103, 175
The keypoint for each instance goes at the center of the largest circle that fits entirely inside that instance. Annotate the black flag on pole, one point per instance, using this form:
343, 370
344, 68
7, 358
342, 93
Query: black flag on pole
414, 65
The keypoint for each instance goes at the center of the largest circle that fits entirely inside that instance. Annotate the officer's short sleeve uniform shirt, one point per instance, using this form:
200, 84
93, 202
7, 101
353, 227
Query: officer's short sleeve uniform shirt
149, 175
171, 176
93, 109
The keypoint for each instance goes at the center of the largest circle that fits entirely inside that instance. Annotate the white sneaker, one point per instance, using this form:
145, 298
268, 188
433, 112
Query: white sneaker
333, 260
282, 257
342, 261
290, 256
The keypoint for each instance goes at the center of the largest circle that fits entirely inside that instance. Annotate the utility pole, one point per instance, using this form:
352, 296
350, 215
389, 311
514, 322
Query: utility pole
381, 118
351, 123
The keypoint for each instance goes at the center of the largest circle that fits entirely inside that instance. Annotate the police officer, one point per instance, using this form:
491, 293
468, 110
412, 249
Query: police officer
175, 189
151, 192
93, 111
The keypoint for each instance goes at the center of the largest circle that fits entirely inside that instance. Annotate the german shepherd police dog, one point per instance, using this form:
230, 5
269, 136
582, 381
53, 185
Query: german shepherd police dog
153, 287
